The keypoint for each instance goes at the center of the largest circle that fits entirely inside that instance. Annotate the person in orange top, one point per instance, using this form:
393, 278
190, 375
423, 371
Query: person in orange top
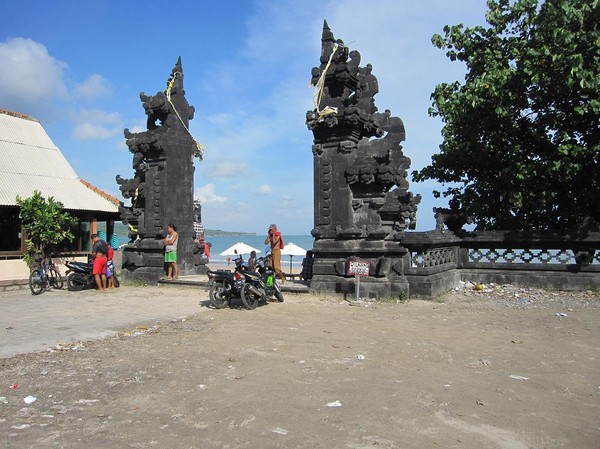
275, 239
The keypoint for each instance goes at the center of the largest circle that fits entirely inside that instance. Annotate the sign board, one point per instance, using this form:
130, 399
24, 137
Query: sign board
358, 268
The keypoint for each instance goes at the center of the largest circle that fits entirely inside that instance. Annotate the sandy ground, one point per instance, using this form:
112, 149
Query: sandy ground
491, 369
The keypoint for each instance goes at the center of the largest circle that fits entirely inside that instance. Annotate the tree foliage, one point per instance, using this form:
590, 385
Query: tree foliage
521, 134
45, 222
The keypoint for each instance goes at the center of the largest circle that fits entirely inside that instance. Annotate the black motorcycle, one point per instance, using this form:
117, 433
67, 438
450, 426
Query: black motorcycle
80, 275
260, 285
226, 285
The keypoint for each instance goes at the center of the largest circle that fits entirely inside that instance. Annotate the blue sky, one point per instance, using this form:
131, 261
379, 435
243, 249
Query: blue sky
79, 66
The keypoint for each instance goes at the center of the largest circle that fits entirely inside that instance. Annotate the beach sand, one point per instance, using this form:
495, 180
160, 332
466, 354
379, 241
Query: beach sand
503, 367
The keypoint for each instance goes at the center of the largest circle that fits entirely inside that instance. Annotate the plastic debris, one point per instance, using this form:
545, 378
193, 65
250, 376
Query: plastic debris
334, 404
21, 427
514, 376
3, 400
561, 314
13, 387
29, 400
280, 431
360, 357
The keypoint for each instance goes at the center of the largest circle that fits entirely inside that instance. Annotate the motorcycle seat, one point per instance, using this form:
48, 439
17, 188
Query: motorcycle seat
82, 264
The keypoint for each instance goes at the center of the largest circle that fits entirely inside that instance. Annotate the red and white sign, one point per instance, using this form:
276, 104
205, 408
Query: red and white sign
358, 268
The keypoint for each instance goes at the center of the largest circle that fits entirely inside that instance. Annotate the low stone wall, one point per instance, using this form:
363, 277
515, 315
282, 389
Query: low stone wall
437, 261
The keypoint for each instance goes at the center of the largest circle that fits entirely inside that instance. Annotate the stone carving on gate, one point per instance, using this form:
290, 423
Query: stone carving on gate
362, 202
161, 191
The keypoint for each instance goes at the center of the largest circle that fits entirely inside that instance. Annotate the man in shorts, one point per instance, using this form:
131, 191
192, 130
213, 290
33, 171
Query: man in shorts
99, 254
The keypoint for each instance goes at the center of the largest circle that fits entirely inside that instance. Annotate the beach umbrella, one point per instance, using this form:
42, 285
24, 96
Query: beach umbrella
291, 249
241, 248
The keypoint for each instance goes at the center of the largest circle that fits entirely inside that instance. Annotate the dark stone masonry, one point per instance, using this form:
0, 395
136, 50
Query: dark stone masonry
161, 190
362, 202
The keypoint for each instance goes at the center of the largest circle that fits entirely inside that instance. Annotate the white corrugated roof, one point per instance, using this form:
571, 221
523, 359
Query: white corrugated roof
30, 161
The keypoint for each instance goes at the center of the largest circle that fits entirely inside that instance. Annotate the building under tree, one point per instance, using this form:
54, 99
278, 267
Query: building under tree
30, 161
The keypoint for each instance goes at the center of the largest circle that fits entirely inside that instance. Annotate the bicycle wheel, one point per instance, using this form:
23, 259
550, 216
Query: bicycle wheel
36, 281
56, 280
117, 283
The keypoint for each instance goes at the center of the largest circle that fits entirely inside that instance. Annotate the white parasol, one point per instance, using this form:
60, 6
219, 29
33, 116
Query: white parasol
291, 249
239, 248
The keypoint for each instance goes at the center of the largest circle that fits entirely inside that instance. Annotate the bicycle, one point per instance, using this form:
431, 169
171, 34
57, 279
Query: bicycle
45, 276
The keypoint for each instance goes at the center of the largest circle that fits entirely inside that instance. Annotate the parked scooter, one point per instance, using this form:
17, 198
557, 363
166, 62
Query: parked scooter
260, 285
80, 276
226, 285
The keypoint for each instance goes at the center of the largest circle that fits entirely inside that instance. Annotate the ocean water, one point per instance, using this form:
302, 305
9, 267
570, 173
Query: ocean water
221, 243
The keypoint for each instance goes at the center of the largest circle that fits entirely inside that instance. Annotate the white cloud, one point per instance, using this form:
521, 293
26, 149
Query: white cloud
264, 189
93, 124
93, 87
221, 119
223, 168
207, 195
30, 79
90, 131
138, 129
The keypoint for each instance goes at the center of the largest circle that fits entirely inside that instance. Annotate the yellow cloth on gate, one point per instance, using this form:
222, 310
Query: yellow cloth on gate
318, 94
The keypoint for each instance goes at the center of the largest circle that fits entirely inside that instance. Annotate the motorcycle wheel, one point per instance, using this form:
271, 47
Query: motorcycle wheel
116, 280
36, 282
75, 283
217, 295
249, 299
56, 280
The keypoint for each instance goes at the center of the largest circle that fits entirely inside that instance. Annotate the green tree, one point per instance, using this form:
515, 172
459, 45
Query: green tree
45, 223
521, 134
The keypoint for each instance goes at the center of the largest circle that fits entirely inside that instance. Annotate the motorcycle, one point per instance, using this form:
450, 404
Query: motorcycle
226, 285
260, 285
80, 275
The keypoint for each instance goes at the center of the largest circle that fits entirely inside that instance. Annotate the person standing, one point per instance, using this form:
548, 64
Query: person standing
252, 261
99, 254
307, 266
275, 239
110, 268
170, 243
